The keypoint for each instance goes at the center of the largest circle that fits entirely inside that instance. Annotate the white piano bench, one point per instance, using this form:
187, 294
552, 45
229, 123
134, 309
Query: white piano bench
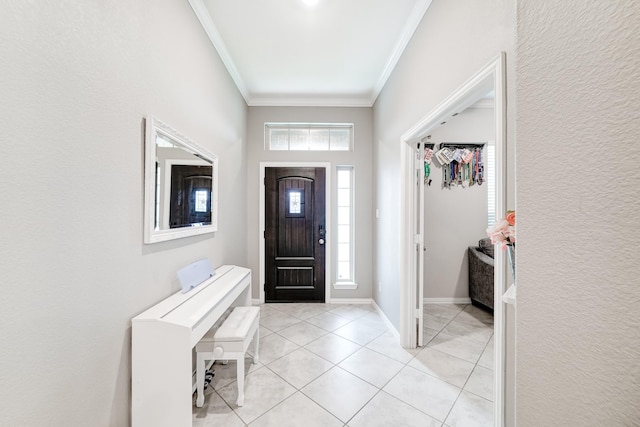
230, 341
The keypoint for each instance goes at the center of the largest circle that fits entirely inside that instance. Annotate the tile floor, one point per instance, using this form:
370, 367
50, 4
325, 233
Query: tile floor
337, 365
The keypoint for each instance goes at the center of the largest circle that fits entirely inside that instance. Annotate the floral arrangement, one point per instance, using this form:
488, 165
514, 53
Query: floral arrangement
504, 231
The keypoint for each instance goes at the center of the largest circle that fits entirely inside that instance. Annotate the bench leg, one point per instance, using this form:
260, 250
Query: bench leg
256, 346
240, 362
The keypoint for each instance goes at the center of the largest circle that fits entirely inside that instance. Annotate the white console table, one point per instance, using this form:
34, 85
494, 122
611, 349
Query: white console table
162, 341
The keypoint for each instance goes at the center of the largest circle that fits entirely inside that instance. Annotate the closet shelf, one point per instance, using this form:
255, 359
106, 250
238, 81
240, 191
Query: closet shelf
427, 145
462, 144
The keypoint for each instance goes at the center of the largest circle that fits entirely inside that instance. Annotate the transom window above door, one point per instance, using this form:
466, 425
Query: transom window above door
308, 136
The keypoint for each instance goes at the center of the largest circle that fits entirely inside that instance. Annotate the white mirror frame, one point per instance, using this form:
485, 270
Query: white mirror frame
154, 127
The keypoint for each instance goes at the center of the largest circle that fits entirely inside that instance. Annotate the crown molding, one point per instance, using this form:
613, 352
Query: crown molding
410, 27
204, 17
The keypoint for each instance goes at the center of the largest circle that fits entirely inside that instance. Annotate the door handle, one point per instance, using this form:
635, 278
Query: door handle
321, 242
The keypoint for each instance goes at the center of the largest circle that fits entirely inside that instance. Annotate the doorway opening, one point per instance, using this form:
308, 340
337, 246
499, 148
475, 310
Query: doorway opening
489, 79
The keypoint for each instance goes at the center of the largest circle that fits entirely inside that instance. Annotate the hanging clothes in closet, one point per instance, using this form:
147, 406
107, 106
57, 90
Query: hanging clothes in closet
462, 164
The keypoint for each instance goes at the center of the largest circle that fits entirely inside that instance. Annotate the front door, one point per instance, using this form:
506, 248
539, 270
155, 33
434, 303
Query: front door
191, 191
295, 234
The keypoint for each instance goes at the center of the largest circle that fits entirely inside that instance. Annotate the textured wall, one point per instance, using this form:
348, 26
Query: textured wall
76, 80
578, 122
361, 158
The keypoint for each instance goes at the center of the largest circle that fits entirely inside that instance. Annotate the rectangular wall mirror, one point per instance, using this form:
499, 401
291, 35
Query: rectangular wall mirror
181, 185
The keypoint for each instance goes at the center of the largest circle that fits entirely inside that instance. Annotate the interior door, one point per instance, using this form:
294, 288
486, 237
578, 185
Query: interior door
295, 234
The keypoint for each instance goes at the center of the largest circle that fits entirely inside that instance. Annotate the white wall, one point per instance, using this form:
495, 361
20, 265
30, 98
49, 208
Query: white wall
76, 80
455, 218
455, 39
578, 266
361, 158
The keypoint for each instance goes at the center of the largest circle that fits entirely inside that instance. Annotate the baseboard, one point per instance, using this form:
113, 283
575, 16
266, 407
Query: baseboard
447, 300
386, 320
333, 301
350, 301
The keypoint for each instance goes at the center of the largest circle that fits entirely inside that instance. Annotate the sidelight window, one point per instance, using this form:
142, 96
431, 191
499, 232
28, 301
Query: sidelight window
345, 228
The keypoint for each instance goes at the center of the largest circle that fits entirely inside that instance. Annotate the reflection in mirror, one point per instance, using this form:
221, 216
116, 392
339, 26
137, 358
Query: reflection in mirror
180, 185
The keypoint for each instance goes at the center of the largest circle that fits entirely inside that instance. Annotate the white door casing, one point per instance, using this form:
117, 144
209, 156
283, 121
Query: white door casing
491, 77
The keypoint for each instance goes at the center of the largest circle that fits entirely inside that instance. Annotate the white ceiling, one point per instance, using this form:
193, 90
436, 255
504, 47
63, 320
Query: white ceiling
334, 53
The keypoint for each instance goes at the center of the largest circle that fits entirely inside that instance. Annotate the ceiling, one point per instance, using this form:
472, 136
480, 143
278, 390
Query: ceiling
290, 53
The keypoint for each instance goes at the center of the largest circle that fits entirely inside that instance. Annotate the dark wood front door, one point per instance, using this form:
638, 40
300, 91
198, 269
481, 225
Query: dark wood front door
295, 237
190, 196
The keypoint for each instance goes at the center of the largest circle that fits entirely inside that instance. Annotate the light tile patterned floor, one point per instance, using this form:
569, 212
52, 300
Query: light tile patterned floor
337, 365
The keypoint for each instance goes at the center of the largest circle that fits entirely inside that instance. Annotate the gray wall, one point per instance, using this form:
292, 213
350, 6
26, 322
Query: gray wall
76, 80
361, 158
455, 218
578, 264
455, 39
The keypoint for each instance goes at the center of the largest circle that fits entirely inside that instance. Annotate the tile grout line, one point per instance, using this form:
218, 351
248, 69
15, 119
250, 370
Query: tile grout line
336, 365
378, 389
474, 366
